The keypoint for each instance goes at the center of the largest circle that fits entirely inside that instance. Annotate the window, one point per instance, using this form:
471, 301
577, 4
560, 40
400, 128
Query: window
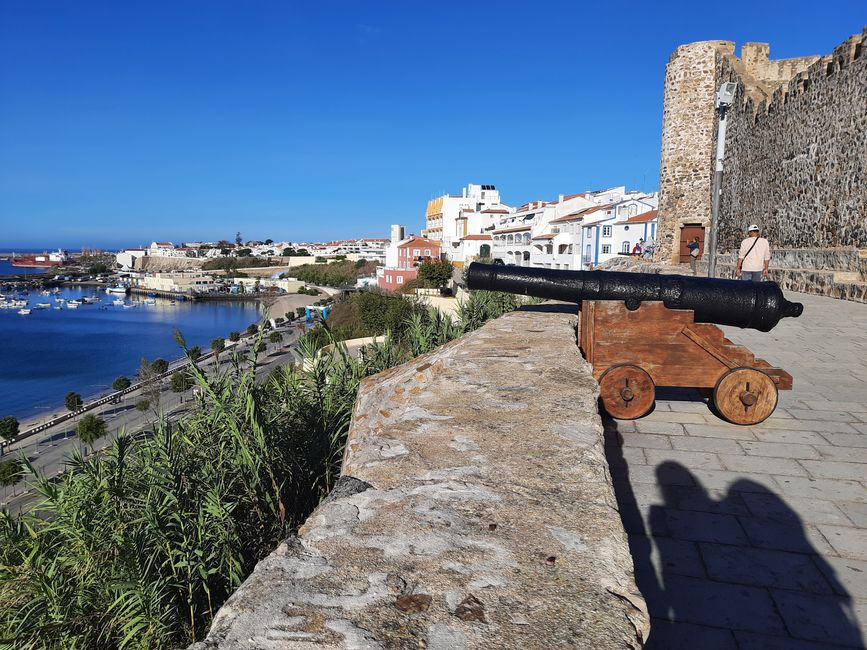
625, 247
427, 252
606, 231
416, 252
606, 249
400, 279
388, 279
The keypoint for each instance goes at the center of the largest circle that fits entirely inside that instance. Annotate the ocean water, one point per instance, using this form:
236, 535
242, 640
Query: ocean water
6, 268
53, 351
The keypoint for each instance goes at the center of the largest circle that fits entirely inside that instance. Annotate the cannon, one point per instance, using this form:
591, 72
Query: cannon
642, 330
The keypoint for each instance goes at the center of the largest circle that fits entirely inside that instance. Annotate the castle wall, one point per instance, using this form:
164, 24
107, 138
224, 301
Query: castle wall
796, 146
795, 164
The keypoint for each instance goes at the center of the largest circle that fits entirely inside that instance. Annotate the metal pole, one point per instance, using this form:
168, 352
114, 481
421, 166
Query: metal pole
717, 183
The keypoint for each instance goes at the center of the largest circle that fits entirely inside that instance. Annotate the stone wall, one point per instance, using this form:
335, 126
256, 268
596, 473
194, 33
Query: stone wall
796, 142
688, 131
475, 510
796, 161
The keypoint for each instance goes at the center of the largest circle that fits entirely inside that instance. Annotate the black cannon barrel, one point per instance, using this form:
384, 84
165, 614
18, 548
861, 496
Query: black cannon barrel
755, 305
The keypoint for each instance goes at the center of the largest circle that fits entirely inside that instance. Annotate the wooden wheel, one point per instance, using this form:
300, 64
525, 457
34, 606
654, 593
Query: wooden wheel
745, 396
627, 391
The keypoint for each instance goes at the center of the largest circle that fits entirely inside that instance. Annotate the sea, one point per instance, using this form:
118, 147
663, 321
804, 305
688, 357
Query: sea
55, 350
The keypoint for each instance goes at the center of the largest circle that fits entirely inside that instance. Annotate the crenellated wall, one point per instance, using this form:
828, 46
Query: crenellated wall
475, 510
795, 152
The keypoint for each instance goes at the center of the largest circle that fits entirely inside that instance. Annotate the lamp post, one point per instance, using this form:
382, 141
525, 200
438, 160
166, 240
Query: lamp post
725, 96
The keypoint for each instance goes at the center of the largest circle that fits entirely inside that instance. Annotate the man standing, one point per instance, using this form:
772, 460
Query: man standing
753, 257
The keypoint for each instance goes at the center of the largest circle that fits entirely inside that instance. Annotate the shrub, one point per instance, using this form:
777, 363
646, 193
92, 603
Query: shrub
234, 337
159, 366
121, 383
142, 405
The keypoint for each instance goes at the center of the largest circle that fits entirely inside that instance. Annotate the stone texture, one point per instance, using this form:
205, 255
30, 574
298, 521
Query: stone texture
796, 141
481, 514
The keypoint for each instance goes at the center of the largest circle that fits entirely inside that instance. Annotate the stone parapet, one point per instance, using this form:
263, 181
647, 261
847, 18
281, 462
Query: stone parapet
475, 510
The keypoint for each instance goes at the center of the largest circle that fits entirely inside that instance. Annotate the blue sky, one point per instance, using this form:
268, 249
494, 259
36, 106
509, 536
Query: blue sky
124, 122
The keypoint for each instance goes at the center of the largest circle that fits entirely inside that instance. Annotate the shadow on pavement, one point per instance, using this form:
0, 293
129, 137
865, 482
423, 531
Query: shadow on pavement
735, 571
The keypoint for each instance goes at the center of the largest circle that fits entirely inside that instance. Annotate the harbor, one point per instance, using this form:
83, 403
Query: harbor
81, 338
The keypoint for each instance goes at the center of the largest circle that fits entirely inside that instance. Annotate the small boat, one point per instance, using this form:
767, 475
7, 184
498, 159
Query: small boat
150, 301
43, 305
24, 312
151, 294
129, 306
117, 289
89, 300
59, 299
118, 302
73, 304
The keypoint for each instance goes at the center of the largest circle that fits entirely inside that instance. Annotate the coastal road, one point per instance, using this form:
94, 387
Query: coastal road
49, 450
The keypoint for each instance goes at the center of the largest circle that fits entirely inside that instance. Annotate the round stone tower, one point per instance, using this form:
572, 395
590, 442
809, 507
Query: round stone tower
688, 142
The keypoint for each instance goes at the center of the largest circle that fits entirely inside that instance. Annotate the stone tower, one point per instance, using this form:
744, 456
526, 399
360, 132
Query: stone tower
688, 141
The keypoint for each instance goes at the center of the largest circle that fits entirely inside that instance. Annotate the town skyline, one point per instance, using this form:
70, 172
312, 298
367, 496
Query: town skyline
334, 121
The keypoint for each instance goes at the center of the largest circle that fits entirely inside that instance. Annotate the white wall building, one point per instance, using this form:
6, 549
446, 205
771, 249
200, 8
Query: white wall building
560, 234
451, 217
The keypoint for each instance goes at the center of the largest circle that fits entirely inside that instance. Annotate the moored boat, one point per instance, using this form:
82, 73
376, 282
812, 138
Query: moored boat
24, 311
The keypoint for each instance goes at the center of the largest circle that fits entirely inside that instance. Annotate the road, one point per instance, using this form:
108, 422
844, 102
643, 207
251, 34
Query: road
49, 450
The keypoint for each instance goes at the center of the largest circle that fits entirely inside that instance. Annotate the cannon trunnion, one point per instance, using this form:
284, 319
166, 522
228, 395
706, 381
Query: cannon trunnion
641, 330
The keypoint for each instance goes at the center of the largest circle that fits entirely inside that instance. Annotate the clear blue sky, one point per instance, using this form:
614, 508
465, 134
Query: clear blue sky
130, 120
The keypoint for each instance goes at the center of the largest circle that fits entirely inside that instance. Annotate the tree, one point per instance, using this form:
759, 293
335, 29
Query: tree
234, 337
268, 242
252, 328
90, 429
8, 427
11, 472
121, 383
181, 381
244, 252
160, 366
288, 252
195, 353
150, 382
238, 239
73, 401
436, 273
142, 405
275, 337
218, 345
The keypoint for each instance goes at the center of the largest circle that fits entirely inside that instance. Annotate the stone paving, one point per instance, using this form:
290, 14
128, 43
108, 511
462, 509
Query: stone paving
756, 537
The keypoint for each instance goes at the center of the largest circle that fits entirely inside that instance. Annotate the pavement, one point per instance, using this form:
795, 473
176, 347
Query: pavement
49, 450
756, 537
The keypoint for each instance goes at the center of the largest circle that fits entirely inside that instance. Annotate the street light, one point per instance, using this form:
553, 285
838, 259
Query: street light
725, 97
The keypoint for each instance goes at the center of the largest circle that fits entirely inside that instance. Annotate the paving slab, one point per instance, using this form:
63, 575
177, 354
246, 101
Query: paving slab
778, 510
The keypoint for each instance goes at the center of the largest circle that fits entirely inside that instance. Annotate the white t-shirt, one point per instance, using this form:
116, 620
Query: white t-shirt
755, 261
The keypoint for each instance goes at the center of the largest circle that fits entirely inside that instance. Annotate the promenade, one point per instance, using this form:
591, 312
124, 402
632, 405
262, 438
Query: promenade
756, 537
49, 449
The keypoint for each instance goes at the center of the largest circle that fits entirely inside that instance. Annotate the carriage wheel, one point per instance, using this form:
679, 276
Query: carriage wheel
745, 396
627, 392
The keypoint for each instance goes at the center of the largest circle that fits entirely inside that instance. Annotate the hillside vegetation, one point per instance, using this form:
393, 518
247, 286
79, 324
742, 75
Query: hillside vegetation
139, 546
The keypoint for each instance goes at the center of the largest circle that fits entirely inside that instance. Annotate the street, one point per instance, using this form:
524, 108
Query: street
49, 450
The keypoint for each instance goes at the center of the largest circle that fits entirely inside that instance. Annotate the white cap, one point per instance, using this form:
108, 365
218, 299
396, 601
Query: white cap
752, 228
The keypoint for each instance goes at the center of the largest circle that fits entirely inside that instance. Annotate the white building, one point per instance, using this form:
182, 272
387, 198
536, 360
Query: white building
451, 217
562, 234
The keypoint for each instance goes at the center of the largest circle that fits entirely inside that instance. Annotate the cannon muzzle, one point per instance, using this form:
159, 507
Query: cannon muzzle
754, 305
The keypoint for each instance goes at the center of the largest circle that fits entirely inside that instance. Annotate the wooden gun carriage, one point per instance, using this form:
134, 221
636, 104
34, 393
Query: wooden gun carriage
642, 330
632, 352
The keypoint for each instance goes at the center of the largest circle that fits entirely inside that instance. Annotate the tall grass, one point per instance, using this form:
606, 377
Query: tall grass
138, 547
